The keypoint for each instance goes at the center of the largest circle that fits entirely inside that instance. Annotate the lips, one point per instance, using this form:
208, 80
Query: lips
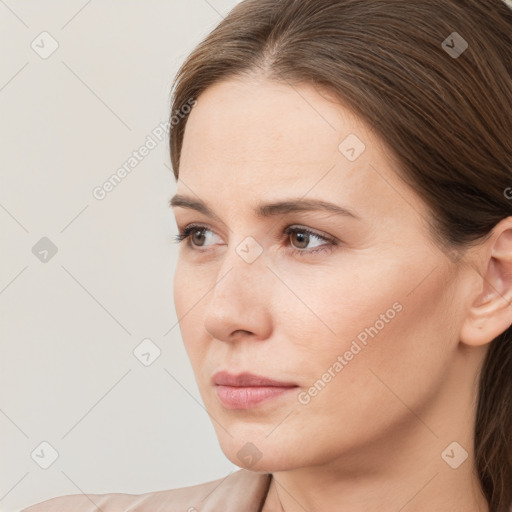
245, 390
246, 379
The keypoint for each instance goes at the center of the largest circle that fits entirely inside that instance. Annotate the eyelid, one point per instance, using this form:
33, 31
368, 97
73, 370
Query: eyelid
298, 227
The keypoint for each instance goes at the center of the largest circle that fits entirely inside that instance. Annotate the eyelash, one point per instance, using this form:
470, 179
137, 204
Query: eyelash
188, 230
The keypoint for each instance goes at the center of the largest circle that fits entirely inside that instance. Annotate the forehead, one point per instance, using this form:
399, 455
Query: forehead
257, 123
260, 139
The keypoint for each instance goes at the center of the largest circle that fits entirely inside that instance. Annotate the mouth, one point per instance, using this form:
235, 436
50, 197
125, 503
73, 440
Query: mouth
245, 390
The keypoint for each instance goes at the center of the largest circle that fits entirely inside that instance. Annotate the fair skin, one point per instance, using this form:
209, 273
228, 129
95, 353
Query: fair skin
372, 438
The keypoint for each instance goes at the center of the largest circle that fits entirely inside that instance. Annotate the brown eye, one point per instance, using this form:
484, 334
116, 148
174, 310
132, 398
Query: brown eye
302, 238
197, 236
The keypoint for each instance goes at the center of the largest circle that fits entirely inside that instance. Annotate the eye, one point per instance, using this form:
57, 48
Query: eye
195, 236
190, 233
305, 236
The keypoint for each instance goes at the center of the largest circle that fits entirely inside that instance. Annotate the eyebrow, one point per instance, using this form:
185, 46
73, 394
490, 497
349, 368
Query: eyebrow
268, 209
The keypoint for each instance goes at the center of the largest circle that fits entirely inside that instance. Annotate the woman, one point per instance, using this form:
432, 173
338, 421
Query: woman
344, 282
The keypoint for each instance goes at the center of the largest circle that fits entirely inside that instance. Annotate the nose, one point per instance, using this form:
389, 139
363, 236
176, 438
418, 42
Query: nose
238, 306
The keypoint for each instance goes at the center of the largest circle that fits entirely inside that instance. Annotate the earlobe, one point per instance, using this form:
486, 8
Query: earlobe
490, 313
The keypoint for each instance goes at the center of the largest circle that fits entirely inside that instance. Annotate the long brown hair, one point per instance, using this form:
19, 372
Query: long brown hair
433, 79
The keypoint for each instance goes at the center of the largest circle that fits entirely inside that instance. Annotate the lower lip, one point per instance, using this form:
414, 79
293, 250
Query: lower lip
248, 397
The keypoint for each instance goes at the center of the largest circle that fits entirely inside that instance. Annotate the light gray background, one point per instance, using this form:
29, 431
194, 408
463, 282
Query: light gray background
69, 326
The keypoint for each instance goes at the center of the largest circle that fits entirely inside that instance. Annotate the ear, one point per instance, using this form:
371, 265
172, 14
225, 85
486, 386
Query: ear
490, 312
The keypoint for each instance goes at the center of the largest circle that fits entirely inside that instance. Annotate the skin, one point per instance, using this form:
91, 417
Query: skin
372, 438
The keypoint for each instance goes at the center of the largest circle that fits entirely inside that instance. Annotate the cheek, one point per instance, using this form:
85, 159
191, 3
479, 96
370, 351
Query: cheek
180, 290
330, 305
187, 294
392, 346
190, 289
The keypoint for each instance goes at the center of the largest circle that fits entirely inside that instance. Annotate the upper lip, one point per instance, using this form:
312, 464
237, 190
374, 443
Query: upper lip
246, 379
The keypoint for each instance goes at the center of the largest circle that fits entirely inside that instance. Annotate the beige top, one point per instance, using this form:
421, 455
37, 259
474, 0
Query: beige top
241, 491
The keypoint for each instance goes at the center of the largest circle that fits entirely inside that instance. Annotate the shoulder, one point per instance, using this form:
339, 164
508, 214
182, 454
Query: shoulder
241, 490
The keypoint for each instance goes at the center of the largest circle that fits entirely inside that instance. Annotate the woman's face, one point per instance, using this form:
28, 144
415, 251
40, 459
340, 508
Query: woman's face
358, 316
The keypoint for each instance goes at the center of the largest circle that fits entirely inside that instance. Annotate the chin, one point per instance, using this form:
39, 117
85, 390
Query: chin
256, 453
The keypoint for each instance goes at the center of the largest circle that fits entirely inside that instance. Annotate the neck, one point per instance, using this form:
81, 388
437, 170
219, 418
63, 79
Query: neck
427, 488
